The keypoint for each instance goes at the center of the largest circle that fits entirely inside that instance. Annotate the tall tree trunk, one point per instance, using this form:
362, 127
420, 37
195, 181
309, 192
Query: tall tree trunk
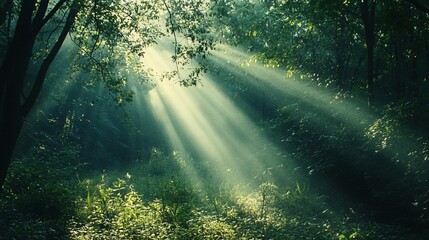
399, 61
14, 106
12, 76
9, 135
368, 17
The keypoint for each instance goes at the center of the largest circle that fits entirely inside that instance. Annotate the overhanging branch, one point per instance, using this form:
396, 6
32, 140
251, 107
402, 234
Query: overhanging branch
48, 17
40, 78
170, 18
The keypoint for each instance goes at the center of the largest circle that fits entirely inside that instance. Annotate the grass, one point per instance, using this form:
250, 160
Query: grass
145, 202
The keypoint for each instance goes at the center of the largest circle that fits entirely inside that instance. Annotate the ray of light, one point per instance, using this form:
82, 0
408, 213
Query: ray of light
275, 81
354, 116
351, 113
205, 122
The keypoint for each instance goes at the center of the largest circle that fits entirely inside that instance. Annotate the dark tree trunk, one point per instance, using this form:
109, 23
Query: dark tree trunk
398, 57
14, 106
368, 18
12, 75
9, 137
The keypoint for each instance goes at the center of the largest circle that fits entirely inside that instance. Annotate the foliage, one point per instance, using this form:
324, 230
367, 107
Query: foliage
325, 41
111, 39
148, 204
38, 198
118, 211
397, 134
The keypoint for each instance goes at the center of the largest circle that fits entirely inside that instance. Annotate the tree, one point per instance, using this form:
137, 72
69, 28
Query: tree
368, 8
108, 34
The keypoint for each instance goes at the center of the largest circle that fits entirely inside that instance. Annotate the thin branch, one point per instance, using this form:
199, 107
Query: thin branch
175, 39
52, 12
97, 24
55, 29
40, 78
105, 73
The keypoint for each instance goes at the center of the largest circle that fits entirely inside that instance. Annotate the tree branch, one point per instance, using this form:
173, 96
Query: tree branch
175, 39
40, 78
41, 11
53, 11
48, 16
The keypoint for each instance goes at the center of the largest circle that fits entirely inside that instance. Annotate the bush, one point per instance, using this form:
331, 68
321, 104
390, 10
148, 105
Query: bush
118, 212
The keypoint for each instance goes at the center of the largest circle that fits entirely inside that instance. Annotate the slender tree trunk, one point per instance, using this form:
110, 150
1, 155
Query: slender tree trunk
397, 55
368, 18
14, 105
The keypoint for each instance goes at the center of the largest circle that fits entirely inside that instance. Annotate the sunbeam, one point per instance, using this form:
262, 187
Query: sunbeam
204, 122
350, 113
274, 81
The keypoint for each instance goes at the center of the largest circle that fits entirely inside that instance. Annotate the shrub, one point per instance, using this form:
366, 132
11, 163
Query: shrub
118, 212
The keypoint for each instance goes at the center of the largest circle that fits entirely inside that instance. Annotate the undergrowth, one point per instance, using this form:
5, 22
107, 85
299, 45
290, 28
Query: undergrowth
147, 204
155, 200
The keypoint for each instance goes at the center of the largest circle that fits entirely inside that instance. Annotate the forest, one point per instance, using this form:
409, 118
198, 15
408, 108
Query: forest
214, 119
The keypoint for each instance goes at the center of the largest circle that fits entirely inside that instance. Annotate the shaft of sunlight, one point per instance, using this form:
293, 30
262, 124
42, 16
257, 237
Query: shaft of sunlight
204, 122
274, 81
